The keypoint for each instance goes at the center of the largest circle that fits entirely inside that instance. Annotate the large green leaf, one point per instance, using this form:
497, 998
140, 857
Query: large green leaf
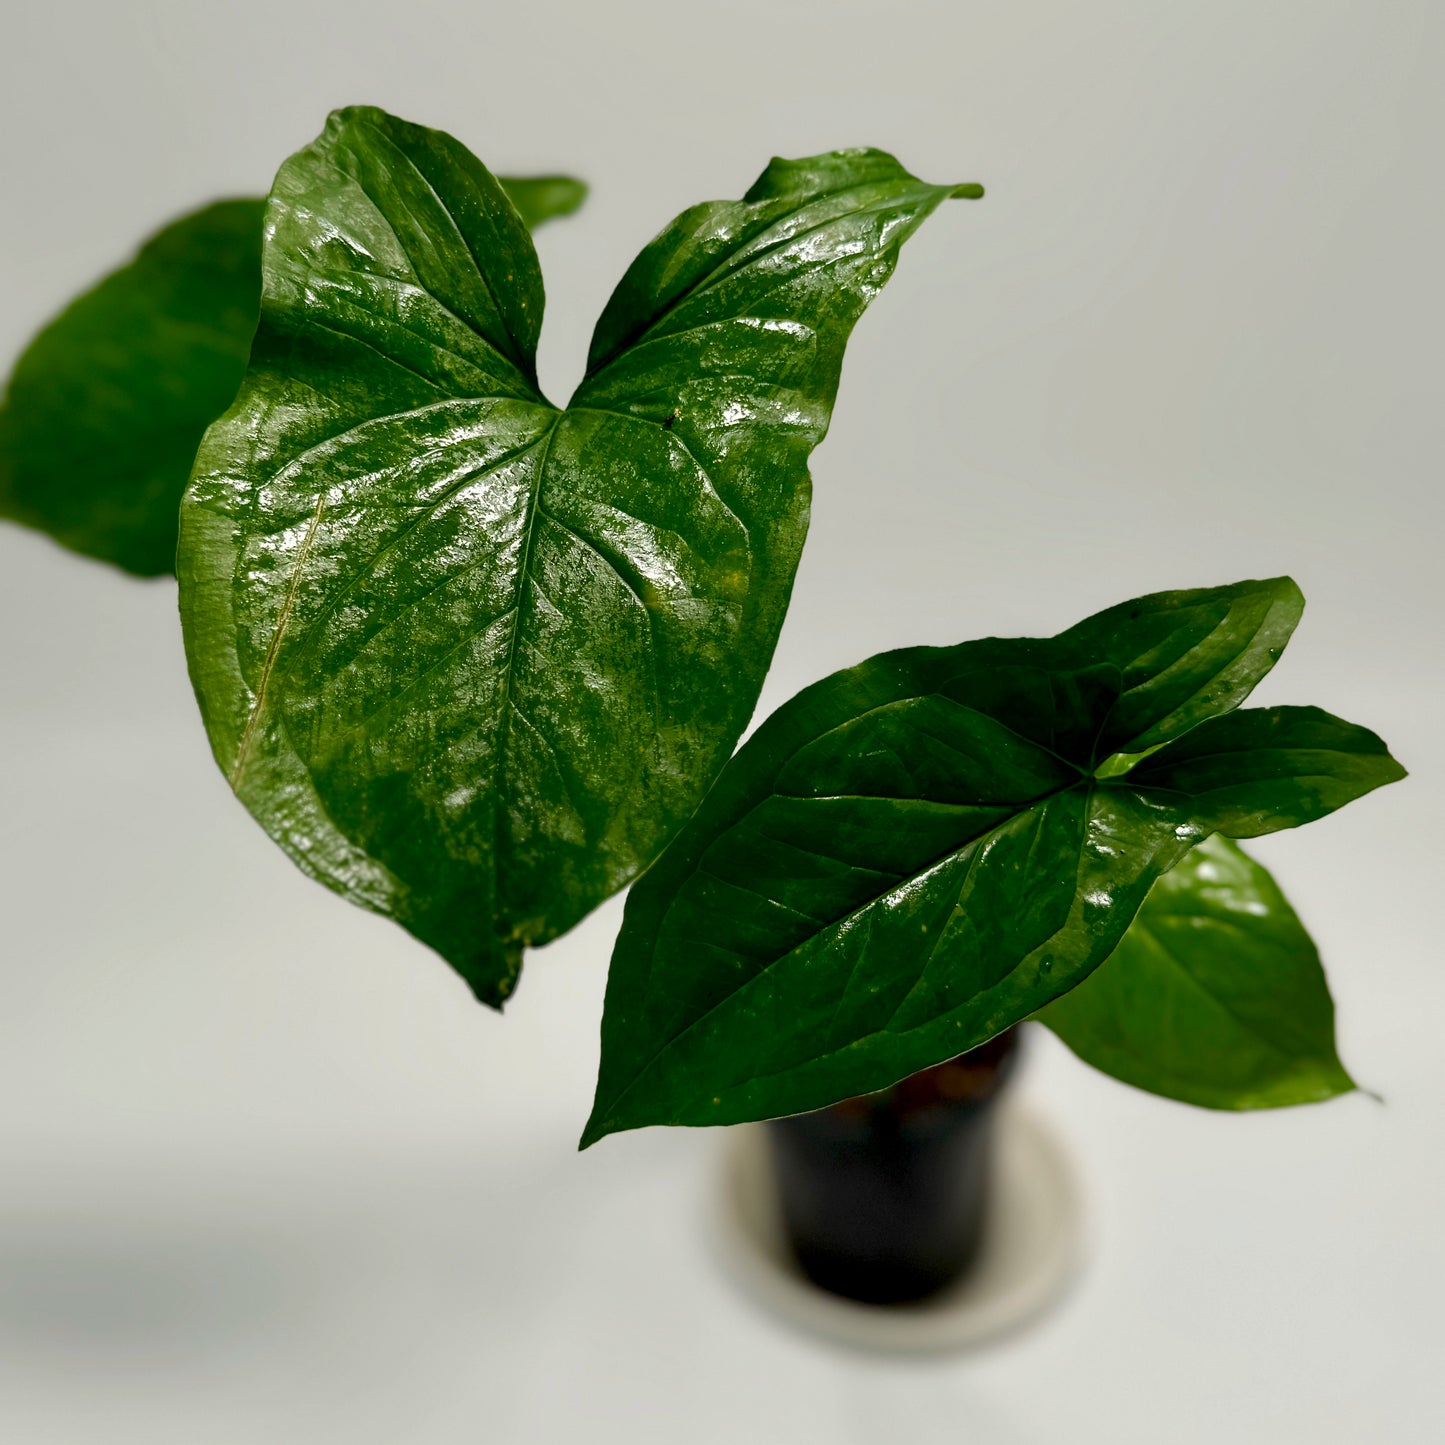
914, 854
1215, 996
470, 658
107, 405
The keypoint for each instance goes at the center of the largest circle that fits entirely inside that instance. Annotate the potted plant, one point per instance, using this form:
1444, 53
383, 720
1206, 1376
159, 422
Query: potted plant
914, 855
477, 662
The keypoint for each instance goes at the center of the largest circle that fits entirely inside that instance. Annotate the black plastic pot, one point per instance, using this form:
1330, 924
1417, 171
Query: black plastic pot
884, 1196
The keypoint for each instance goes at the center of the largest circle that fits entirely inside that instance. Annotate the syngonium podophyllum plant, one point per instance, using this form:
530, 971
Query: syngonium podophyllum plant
477, 661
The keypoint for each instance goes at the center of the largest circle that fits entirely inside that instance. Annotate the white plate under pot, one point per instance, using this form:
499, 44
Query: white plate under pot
1030, 1250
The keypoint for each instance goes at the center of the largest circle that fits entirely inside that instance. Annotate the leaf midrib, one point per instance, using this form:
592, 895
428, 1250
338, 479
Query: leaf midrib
504, 733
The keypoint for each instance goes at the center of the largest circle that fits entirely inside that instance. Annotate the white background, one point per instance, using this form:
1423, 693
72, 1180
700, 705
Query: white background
268, 1175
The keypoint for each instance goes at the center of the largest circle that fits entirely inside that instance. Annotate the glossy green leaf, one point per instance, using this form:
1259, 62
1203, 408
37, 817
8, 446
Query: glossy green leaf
470, 658
106, 407
1180, 657
1263, 769
918, 852
1215, 996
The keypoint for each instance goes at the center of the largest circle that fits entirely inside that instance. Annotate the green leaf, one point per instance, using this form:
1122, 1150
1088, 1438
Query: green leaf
916, 853
469, 658
1215, 996
107, 405
539, 199
1264, 769
1182, 657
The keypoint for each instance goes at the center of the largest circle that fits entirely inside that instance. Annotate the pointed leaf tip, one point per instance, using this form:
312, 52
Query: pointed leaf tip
967, 191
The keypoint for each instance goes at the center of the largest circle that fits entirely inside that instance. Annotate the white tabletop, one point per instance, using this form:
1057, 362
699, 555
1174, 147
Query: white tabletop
268, 1175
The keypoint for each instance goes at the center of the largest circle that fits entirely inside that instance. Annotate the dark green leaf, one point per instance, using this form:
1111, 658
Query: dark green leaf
1263, 769
1215, 996
470, 659
1184, 656
916, 853
107, 405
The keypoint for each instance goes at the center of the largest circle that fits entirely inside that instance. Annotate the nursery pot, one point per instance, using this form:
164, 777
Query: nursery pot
883, 1197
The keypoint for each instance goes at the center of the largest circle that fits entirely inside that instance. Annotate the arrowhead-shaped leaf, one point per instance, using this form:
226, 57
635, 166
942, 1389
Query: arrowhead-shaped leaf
1215, 996
469, 658
107, 405
918, 852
